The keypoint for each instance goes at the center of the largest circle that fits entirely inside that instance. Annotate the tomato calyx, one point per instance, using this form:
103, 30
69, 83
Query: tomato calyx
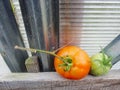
67, 63
106, 61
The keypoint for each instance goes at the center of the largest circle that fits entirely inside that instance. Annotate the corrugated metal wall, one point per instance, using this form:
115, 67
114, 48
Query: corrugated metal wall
19, 19
89, 23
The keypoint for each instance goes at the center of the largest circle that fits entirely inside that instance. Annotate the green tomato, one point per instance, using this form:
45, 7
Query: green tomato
100, 64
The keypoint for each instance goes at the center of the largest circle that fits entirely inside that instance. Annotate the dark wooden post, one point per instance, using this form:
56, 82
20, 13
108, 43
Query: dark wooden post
38, 19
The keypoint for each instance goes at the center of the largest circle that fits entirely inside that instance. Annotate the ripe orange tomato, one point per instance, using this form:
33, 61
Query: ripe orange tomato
74, 63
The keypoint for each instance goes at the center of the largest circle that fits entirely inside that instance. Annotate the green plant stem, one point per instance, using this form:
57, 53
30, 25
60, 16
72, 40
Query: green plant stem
67, 62
38, 50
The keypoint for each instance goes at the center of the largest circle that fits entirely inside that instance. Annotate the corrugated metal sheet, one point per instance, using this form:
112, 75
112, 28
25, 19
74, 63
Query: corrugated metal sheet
89, 23
19, 20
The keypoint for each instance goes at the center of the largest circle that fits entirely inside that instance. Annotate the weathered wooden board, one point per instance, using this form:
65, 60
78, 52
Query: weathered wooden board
52, 81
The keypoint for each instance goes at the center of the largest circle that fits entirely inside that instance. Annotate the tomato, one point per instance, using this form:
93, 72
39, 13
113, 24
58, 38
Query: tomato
73, 64
100, 64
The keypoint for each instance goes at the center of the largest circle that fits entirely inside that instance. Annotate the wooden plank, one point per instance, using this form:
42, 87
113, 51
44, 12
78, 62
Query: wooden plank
52, 81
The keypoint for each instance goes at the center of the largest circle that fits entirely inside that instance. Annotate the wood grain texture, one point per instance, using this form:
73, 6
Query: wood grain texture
52, 81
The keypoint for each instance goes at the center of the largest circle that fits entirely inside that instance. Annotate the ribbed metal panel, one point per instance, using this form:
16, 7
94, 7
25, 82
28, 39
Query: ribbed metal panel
89, 23
19, 20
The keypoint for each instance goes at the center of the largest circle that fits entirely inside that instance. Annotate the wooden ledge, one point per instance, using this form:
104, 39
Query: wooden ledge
52, 81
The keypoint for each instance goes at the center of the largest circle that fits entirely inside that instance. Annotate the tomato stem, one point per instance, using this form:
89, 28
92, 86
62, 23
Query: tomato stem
67, 61
38, 50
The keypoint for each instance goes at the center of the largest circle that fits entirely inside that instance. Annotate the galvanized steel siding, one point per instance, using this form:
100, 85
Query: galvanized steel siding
91, 23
